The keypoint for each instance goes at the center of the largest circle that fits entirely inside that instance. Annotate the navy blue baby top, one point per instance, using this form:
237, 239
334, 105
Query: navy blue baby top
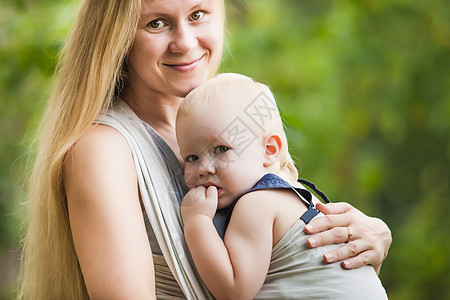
272, 181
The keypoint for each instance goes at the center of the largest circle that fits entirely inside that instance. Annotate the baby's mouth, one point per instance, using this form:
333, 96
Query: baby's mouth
219, 189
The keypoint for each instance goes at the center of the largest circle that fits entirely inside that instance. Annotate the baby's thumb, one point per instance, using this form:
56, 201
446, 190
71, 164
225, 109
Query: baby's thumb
193, 196
211, 194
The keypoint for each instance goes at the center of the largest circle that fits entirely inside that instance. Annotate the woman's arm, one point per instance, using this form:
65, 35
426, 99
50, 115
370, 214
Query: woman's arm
106, 218
367, 239
237, 268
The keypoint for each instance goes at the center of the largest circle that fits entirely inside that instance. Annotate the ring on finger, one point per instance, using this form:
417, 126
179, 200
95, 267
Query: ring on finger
350, 234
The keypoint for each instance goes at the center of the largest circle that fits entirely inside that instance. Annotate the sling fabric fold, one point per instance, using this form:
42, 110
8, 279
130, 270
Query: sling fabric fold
158, 198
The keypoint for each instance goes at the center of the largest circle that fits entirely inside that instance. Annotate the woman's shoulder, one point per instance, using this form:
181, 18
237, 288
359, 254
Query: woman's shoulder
102, 149
100, 166
101, 140
100, 135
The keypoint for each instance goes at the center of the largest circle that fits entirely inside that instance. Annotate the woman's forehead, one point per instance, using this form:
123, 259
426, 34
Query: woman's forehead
168, 6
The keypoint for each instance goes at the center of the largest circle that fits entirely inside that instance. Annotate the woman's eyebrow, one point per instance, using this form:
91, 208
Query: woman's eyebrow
153, 15
156, 14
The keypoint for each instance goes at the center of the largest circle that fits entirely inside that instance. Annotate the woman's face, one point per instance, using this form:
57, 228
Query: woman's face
177, 47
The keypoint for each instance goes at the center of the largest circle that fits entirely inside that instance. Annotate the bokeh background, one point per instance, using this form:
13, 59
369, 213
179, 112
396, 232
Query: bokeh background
363, 86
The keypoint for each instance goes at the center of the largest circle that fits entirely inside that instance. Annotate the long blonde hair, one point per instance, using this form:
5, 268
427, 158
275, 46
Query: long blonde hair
88, 74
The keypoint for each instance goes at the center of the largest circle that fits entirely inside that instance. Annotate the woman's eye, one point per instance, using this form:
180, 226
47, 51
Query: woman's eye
156, 24
192, 158
221, 149
197, 15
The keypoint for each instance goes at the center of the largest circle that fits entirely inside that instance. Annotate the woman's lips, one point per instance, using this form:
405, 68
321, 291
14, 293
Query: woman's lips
185, 66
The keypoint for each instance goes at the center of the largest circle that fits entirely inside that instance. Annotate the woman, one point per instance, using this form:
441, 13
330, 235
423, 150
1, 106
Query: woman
101, 192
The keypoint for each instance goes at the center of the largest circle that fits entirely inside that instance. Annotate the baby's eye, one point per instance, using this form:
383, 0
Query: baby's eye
221, 149
197, 15
192, 158
156, 24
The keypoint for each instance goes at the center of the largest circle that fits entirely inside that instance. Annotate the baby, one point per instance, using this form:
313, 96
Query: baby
235, 152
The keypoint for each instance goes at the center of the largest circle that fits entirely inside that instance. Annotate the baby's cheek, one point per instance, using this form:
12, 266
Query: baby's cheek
189, 177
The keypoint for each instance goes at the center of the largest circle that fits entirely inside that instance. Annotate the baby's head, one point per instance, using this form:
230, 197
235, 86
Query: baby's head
230, 134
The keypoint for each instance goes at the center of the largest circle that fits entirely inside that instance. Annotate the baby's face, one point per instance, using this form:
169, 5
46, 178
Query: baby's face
220, 148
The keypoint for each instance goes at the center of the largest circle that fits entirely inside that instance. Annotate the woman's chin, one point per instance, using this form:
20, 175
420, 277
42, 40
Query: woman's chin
185, 87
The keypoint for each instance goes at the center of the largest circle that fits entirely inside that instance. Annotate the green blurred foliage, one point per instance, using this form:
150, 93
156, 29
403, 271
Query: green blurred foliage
31, 35
363, 86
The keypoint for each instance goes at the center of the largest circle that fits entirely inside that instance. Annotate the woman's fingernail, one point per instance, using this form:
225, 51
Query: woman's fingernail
312, 242
309, 227
328, 257
347, 264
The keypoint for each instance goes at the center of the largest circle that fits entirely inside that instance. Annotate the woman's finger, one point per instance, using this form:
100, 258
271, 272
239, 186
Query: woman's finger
334, 208
326, 222
336, 235
347, 251
358, 261
367, 239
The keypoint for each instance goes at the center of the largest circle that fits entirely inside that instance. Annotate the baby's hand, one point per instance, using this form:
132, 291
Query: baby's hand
199, 201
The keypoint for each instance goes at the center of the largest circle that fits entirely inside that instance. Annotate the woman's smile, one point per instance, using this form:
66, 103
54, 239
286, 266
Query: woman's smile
185, 66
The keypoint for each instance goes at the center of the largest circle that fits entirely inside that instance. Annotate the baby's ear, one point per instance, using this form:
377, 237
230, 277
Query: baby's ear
272, 150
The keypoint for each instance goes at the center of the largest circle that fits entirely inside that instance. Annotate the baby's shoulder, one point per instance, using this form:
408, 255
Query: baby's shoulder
264, 196
281, 207
268, 201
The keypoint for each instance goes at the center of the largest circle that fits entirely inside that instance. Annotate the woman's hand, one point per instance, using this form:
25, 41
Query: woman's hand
199, 201
367, 239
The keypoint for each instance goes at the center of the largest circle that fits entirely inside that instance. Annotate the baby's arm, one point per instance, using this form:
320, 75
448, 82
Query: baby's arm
237, 268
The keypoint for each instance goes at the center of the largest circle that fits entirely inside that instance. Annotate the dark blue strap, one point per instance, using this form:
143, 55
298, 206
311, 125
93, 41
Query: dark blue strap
309, 214
269, 181
315, 189
312, 211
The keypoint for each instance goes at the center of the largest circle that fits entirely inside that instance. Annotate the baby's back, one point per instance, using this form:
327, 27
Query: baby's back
299, 272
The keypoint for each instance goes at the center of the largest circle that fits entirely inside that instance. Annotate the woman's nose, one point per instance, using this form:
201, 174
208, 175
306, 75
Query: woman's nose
184, 39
